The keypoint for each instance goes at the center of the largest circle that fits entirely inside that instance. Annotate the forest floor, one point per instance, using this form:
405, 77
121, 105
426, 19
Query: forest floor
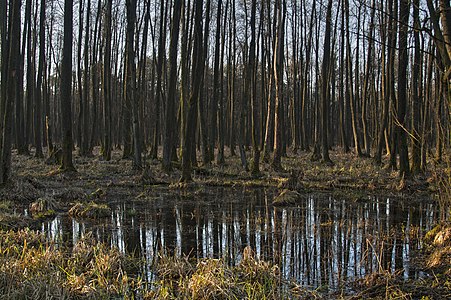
45, 191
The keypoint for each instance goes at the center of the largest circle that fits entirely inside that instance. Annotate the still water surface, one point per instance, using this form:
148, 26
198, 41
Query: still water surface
323, 241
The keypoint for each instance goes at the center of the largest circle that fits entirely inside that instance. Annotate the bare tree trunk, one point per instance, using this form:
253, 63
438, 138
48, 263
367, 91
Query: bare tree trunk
95, 79
216, 76
21, 144
391, 133
221, 118
416, 103
142, 78
401, 110
130, 83
231, 80
325, 93
354, 96
278, 81
79, 87
341, 100
203, 130
10, 63
197, 71
39, 87
366, 92
66, 81
106, 80
169, 133
385, 88
159, 89
252, 93
84, 147
129, 87
304, 130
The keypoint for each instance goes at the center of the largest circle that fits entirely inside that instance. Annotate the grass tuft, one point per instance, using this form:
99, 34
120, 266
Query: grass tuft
90, 210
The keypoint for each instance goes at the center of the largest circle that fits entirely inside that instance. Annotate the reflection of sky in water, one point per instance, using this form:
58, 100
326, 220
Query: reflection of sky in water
322, 242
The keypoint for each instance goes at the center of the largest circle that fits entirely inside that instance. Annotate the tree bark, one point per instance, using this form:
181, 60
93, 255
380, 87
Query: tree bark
197, 71
416, 101
10, 65
106, 82
169, 133
216, 91
404, 170
130, 85
325, 93
66, 85
278, 82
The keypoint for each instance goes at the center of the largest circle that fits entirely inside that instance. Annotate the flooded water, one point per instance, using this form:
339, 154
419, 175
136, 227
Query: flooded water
322, 242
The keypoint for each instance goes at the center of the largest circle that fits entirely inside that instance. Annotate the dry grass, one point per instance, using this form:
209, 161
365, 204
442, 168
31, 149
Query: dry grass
215, 279
90, 210
30, 268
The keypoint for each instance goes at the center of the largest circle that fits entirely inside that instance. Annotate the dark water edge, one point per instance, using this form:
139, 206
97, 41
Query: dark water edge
321, 242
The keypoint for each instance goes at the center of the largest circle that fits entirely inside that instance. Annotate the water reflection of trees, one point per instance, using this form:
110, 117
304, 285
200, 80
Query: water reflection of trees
324, 241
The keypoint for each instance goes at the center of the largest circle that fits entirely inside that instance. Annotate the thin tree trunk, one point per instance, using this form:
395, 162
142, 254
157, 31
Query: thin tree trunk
252, 93
278, 82
325, 93
221, 118
39, 87
365, 96
401, 110
106, 88
416, 103
216, 91
203, 130
84, 148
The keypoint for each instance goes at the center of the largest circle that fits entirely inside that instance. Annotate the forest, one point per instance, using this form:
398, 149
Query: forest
230, 149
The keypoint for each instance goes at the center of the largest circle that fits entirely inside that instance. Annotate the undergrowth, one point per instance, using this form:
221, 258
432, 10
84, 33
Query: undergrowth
31, 268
